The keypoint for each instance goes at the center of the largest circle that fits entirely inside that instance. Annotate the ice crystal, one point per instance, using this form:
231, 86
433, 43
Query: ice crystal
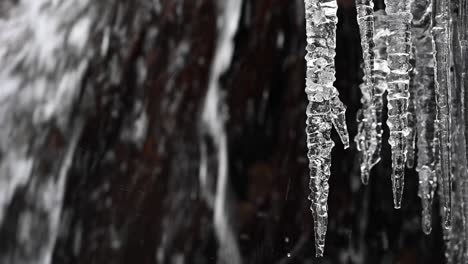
324, 110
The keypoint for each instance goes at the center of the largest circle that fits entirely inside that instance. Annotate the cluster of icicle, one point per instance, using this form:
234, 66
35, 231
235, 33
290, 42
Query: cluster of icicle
416, 52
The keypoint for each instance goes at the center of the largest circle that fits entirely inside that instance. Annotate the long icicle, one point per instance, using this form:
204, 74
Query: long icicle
458, 168
380, 73
425, 108
411, 138
441, 46
324, 110
367, 134
463, 38
399, 19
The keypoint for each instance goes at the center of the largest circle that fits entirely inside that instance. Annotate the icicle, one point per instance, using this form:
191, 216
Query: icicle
324, 109
399, 19
425, 108
366, 137
458, 167
366, 132
463, 40
362, 138
441, 46
411, 139
380, 74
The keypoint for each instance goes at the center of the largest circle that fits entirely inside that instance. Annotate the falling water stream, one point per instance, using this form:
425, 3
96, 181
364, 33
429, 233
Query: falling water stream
213, 118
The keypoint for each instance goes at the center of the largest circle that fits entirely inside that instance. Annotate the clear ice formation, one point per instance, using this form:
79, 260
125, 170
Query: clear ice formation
424, 107
324, 110
441, 48
417, 52
398, 51
463, 42
380, 73
367, 137
411, 138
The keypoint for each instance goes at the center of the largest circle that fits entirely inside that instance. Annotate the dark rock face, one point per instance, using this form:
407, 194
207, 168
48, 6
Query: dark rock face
133, 192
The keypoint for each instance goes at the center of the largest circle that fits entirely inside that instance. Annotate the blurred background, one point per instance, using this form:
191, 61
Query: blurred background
183, 157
